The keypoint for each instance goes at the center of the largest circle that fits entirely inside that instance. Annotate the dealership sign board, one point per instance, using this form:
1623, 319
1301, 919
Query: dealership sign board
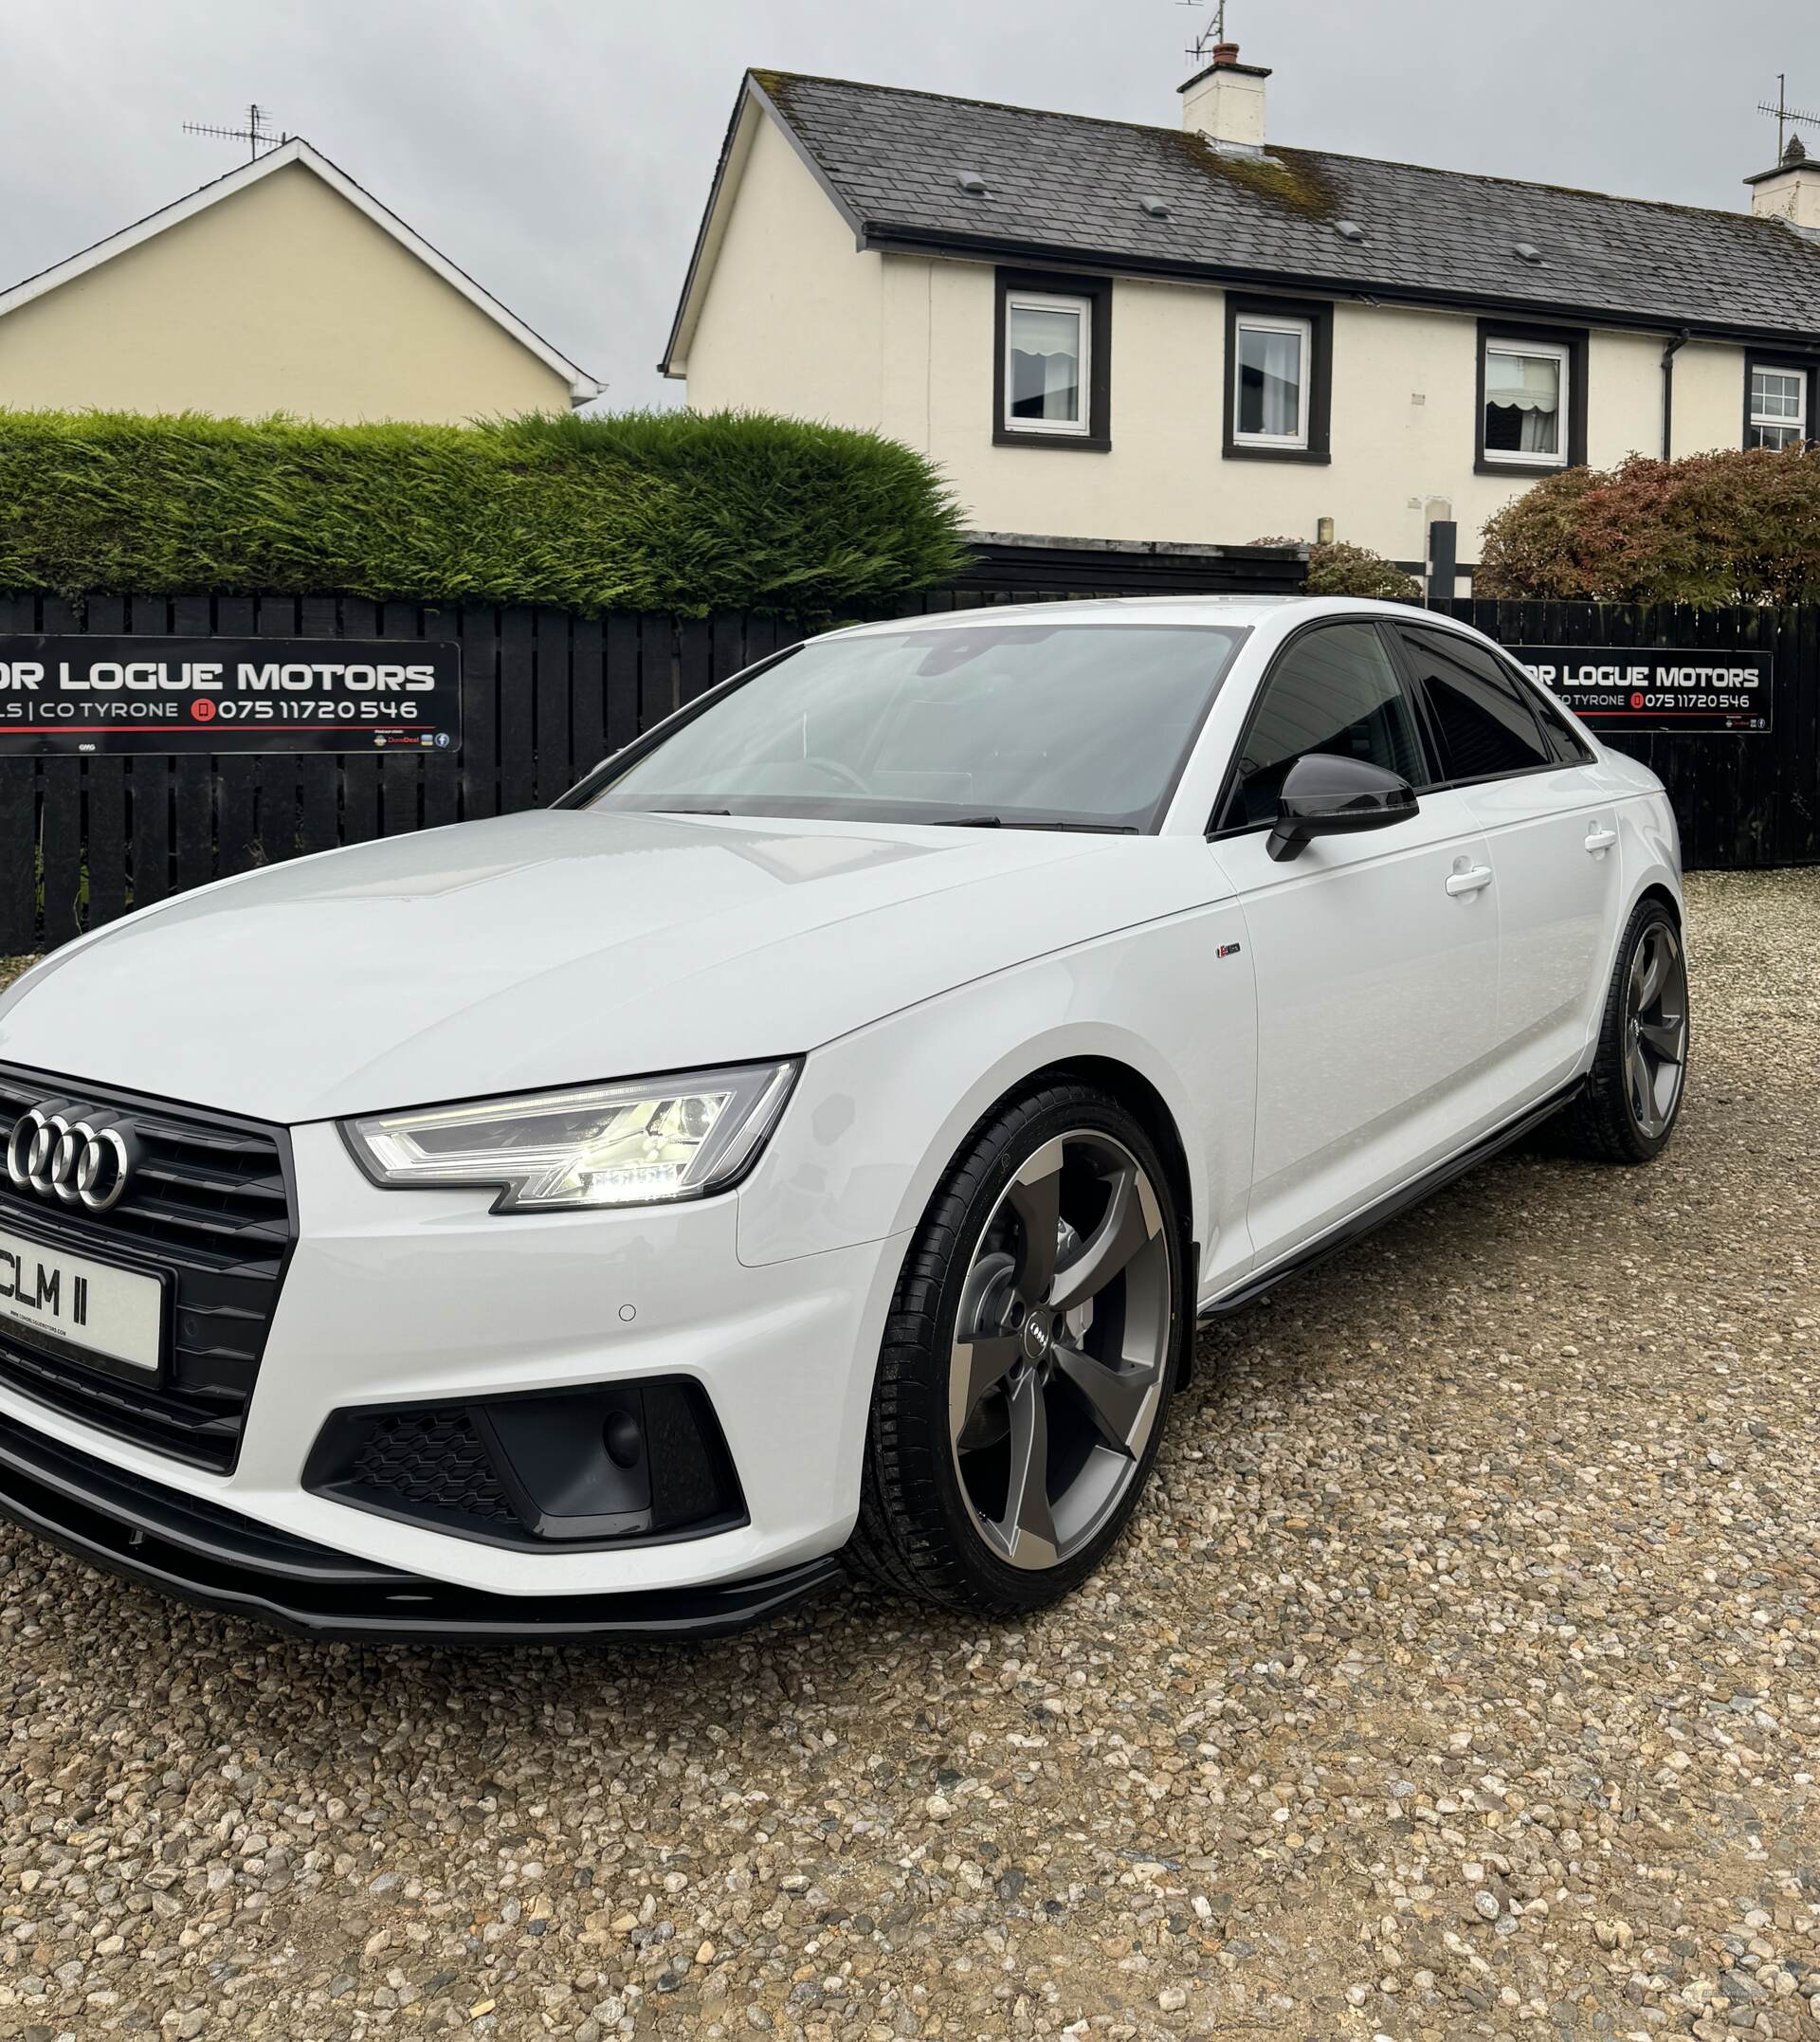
1641, 688
92, 695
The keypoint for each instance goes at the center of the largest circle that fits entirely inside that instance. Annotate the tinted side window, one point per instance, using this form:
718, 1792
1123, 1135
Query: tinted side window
1485, 725
1564, 739
1334, 690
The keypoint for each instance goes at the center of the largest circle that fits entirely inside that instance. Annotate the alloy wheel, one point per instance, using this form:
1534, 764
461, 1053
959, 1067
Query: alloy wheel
1061, 1343
1655, 1029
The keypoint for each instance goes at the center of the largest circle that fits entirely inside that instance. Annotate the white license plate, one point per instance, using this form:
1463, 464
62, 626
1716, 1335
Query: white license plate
117, 1313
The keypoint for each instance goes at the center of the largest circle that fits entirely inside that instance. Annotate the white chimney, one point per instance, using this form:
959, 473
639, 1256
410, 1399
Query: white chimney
1224, 102
1791, 191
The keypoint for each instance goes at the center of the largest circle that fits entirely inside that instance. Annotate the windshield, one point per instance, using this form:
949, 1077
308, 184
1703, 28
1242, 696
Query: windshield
1080, 726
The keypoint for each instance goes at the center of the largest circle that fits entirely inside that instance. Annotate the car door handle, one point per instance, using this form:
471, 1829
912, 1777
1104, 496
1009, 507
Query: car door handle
1599, 838
1470, 881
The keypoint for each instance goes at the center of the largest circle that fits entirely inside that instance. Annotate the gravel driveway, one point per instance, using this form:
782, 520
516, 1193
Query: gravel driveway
1461, 1678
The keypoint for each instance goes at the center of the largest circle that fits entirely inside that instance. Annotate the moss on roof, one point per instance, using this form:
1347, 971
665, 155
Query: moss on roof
1290, 178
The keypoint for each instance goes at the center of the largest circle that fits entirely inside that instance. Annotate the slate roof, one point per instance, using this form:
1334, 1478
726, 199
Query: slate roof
1071, 186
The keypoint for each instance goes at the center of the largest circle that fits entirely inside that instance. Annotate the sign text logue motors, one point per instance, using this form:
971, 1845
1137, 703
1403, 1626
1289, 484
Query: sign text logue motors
94, 695
1640, 688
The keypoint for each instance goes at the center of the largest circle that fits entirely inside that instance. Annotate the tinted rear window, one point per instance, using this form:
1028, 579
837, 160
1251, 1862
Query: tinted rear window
1484, 721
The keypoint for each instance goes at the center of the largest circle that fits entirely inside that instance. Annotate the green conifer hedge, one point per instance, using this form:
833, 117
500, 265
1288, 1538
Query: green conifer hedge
675, 511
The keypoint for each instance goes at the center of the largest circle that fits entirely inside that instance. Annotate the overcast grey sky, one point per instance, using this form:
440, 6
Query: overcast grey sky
560, 150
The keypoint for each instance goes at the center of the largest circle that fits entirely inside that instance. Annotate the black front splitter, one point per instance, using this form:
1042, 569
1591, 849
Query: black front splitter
213, 1557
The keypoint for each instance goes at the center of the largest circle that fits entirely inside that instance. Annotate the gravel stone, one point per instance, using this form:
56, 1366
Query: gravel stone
1482, 1566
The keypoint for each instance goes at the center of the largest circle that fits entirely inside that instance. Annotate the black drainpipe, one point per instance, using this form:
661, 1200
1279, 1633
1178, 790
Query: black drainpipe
1668, 355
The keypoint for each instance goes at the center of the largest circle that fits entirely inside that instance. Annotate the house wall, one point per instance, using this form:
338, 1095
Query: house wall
795, 320
1709, 398
282, 297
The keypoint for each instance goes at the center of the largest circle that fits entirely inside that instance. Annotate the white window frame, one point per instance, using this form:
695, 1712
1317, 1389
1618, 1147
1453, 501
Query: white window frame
1755, 420
1077, 428
1258, 322
1534, 351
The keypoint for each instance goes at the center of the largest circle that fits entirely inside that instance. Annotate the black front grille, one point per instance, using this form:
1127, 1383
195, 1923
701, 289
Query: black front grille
211, 1206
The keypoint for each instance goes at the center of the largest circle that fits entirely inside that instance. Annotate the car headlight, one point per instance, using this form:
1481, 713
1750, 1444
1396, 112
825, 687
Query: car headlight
647, 1142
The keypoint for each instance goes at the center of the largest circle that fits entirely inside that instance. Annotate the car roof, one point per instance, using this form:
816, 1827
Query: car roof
1246, 611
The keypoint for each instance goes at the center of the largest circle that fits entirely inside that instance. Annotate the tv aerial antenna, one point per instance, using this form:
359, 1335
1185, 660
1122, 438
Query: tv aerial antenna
1211, 38
255, 134
1787, 117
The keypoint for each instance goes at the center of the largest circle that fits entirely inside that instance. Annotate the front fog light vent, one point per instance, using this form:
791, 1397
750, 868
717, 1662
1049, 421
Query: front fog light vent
622, 1439
601, 1465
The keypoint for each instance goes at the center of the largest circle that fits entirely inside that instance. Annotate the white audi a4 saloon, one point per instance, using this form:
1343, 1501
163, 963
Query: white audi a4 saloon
813, 1140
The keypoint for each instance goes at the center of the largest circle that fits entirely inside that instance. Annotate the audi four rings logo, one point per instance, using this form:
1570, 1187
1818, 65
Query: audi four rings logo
63, 1150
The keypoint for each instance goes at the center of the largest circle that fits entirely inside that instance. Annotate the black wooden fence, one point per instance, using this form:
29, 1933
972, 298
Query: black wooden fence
545, 694
1740, 799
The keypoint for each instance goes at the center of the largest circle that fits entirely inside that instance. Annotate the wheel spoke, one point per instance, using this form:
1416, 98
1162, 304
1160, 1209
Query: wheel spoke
1664, 1038
1643, 1090
1035, 1196
1026, 1531
979, 1365
1114, 1396
1130, 1221
1655, 975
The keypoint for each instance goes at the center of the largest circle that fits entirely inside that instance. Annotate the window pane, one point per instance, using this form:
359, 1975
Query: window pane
1776, 394
1027, 721
1045, 345
1775, 437
1558, 732
1523, 403
1269, 382
1485, 725
1334, 690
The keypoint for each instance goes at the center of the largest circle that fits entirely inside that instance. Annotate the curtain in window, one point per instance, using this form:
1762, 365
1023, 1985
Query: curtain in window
1045, 364
1269, 382
1523, 403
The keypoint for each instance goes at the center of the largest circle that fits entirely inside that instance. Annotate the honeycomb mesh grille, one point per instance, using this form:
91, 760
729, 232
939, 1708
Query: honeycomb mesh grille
434, 1459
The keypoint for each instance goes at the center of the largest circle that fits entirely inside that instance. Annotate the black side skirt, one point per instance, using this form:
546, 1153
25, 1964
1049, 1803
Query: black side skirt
1373, 1216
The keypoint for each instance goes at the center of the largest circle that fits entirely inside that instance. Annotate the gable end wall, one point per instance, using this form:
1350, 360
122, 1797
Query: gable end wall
281, 297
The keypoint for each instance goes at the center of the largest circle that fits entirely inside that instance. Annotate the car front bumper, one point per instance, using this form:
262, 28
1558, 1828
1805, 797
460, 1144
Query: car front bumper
216, 1560
427, 1297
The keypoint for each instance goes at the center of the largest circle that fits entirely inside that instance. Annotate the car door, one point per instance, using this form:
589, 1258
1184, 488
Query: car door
1375, 955
1535, 789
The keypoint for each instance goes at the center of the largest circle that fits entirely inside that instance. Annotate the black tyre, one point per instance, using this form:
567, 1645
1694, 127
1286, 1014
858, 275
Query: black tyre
1639, 1076
1033, 1347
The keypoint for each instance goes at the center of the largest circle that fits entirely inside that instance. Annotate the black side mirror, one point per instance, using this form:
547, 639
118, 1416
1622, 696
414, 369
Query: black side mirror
1326, 796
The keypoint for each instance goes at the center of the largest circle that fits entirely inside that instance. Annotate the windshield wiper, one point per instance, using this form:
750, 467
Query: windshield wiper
998, 822
691, 812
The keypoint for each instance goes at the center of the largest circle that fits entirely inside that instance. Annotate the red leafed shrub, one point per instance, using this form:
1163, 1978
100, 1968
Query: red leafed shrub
1709, 531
